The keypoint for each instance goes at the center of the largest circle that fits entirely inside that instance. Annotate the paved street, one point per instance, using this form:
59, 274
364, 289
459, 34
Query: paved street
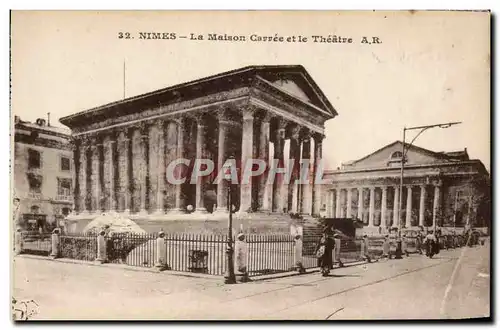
415, 287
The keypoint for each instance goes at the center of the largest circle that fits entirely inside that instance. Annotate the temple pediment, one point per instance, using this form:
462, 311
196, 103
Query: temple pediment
391, 155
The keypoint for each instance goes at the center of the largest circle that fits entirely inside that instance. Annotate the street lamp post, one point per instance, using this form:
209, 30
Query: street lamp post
229, 277
404, 151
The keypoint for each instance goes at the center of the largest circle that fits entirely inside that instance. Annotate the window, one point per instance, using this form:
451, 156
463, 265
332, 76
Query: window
34, 159
65, 164
397, 155
64, 187
35, 183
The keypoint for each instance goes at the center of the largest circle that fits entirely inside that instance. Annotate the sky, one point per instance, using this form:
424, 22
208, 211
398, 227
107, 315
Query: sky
431, 67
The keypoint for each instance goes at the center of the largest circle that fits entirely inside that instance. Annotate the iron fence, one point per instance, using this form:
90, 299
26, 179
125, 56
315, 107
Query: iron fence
270, 254
132, 249
81, 246
36, 243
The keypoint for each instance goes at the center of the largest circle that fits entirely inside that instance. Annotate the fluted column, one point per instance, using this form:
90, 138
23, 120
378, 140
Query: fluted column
383, 207
144, 168
437, 192
293, 187
265, 190
160, 171
246, 156
125, 154
306, 189
200, 154
360, 204
337, 203
371, 215
395, 211
82, 177
96, 175
349, 203
279, 144
112, 203
316, 191
179, 198
408, 206
221, 159
421, 211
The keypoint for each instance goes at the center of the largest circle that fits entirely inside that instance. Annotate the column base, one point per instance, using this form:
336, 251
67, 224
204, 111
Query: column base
142, 213
176, 210
200, 210
159, 212
126, 212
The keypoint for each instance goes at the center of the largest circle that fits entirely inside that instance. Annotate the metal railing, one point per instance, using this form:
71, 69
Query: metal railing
270, 254
66, 198
36, 243
82, 246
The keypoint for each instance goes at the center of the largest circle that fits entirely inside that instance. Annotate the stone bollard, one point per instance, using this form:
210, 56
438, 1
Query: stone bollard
161, 256
297, 256
55, 243
18, 242
241, 259
336, 250
101, 247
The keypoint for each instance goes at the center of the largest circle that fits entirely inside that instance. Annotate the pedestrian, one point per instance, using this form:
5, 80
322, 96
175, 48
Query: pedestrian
323, 252
364, 248
386, 247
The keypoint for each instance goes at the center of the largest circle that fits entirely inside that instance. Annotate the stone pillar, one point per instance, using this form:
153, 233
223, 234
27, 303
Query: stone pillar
222, 156
435, 208
293, 187
306, 189
395, 212
279, 144
179, 198
360, 204
200, 154
55, 244
18, 242
96, 176
349, 203
246, 155
316, 191
101, 248
408, 206
241, 259
371, 215
297, 254
161, 255
160, 179
126, 180
421, 211
82, 180
144, 168
337, 202
383, 208
265, 190
111, 151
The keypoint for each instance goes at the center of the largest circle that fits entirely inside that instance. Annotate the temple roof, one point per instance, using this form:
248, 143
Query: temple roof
304, 89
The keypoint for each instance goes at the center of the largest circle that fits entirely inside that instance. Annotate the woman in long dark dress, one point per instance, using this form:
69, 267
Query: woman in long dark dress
323, 252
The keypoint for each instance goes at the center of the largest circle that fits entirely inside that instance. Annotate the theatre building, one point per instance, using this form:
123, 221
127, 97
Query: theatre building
42, 170
123, 149
442, 189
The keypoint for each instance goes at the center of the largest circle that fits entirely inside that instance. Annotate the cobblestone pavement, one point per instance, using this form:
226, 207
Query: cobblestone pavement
415, 287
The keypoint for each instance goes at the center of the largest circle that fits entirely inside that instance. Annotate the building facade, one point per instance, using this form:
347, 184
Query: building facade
43, 173
263, 112
443, 189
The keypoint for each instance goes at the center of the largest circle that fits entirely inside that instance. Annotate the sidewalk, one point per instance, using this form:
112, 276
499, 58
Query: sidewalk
81, 291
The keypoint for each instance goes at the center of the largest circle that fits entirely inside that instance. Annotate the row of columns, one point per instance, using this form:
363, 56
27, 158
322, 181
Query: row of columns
107, 156
337, 211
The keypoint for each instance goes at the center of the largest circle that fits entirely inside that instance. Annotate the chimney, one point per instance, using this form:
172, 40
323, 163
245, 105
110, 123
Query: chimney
17, 119
48, 118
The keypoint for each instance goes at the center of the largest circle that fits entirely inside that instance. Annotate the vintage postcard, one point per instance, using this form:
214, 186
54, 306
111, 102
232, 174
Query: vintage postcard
250, 165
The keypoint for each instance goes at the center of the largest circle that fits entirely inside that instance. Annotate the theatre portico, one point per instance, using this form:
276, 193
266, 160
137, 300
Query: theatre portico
122, 150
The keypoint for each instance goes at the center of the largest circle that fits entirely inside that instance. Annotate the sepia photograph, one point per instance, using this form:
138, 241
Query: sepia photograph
250, 165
